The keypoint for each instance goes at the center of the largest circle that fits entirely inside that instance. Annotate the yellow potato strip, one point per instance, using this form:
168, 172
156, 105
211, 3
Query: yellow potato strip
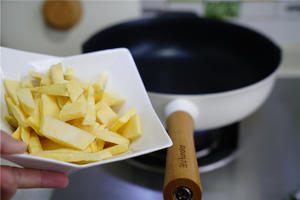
69, 74
65, 134
27, 83
19, 115
117, 149
100, 84
133, 129
11, 120
25, 135
69, 156
61, 101
56, 73
34, 145
123, 120
72, 111
34, 120
17, 134
106, 115
74, 90
104, 154
49, 106
48, 144
35, 75
45, 81
11, 89
55, 89
110, 136
90, 116
111, 99
26, 100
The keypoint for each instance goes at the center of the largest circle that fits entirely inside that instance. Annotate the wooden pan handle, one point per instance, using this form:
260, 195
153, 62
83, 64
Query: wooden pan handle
182, 174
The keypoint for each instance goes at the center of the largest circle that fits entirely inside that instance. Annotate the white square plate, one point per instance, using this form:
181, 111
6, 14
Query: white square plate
123, 79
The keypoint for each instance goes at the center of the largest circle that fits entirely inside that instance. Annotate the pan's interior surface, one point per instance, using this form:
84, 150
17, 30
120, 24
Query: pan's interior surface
192, 55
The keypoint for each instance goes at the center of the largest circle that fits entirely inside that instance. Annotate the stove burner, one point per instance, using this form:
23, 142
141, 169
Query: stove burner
214, 149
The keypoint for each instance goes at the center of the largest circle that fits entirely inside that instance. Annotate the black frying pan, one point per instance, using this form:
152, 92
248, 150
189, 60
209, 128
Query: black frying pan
215, 72
227, 56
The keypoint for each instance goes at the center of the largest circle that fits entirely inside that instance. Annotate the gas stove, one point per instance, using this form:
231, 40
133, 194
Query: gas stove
214, 149
264, 163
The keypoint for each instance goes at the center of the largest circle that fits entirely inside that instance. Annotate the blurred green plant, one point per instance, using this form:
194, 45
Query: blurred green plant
185, 0
216, 9
221, 10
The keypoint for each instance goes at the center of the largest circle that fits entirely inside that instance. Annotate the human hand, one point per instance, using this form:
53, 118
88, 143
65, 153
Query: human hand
13, 178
